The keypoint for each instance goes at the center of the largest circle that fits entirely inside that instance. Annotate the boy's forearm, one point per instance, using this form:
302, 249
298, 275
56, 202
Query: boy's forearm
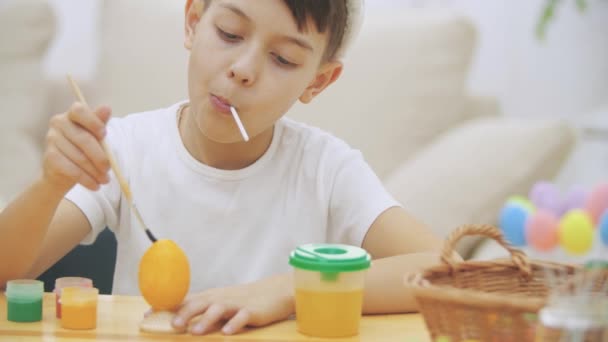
23, 226
385, 291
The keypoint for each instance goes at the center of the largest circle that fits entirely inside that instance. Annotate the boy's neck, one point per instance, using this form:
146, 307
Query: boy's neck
233, 156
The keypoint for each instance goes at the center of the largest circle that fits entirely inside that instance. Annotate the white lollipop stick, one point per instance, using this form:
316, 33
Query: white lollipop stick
235, 115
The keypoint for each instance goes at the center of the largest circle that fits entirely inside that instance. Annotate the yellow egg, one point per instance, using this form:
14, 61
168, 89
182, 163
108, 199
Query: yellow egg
164, 275
576, 232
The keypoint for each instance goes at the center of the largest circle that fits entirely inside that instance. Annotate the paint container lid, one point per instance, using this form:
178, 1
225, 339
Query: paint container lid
24, 289
72, 281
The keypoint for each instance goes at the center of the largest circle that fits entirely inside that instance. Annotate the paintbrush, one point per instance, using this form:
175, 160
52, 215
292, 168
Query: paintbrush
124, 186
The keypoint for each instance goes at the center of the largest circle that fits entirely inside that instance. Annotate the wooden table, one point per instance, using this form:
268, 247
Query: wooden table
118, 319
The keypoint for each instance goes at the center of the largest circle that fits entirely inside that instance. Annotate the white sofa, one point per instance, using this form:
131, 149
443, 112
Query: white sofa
449, 156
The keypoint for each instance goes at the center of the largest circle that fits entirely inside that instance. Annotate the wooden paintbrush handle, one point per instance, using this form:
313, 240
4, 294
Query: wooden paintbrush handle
121, 179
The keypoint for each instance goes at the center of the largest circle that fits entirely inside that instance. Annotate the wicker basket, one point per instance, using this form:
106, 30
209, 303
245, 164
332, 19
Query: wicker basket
484, 300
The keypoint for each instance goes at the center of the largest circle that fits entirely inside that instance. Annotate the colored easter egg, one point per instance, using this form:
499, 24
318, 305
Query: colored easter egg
574, 199
576, 232
522, 201
164, 275
545, 195
603, 228
541, 230
512, 223
597, 201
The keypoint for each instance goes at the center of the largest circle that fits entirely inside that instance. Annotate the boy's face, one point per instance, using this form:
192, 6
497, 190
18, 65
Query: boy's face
249, 54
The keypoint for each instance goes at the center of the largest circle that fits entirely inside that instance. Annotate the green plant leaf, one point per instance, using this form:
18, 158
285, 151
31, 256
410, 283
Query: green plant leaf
547, 15
581, 5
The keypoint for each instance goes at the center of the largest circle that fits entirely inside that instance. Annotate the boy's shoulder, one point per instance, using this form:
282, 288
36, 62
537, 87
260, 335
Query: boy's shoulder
309, 135
315, 144
150, 122
147, 117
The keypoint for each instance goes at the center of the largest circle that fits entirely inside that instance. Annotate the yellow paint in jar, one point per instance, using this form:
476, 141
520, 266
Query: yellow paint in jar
329, 314
328, 284
79, 308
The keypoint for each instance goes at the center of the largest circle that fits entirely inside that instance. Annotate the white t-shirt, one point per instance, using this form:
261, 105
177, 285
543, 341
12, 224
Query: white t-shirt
235, 226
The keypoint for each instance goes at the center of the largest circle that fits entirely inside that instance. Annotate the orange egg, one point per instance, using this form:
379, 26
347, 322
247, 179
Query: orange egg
164, 275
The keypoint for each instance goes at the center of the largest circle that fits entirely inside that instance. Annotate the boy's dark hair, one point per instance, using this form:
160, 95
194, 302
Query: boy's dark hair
327, 15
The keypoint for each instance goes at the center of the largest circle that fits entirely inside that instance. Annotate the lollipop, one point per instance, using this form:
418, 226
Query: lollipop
512, 222
597, 202
541, 230
576, 232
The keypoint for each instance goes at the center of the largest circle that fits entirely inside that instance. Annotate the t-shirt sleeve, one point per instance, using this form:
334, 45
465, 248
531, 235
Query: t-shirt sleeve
101, 207
357, 199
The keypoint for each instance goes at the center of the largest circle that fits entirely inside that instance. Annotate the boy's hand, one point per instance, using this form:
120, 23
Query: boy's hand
74, 153
254, 304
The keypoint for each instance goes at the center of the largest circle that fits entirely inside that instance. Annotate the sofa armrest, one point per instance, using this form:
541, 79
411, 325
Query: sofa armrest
466, 175
477, 106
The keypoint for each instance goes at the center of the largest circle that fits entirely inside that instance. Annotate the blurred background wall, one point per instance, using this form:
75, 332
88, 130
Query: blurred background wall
563, 75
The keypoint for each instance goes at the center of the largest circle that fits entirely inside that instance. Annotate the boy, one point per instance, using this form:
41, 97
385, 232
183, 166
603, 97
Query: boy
236, 208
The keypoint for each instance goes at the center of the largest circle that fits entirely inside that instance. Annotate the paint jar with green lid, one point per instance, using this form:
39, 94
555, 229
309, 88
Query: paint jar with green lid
329, 281
24, 300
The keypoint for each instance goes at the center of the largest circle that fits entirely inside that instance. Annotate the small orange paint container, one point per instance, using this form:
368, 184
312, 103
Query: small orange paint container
60, 283
79, 308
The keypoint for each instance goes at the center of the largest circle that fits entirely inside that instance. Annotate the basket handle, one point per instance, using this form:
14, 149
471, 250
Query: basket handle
518, 257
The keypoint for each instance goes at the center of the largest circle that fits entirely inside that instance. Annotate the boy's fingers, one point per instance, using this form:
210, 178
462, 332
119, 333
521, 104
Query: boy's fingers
77, 174
86, 119
189, 311
236, 323
104, 113
209, 318
89, 146
76, 157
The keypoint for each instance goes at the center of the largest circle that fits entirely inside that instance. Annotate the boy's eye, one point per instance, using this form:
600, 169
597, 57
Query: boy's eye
228, 36
282, 61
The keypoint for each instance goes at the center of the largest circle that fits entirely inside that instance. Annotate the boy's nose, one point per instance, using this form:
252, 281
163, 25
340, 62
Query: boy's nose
246, 67
242, 78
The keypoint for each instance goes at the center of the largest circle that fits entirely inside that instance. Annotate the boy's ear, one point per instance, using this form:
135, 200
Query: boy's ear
327, 75
193, 12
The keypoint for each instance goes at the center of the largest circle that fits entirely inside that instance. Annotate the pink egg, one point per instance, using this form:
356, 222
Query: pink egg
541, 230
597, 202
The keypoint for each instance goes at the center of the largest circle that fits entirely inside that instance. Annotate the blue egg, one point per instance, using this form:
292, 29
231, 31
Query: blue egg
513, 219
603, 228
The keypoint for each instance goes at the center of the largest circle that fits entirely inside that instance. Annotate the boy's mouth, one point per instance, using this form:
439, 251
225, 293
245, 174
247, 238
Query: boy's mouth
221, 104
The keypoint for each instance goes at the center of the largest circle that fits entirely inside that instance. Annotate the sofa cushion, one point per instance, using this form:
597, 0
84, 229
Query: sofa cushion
26, 29
403, 85
143, 61
466, 175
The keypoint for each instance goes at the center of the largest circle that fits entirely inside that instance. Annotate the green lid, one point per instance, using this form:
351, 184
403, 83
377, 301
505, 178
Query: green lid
330, 258
24, 289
